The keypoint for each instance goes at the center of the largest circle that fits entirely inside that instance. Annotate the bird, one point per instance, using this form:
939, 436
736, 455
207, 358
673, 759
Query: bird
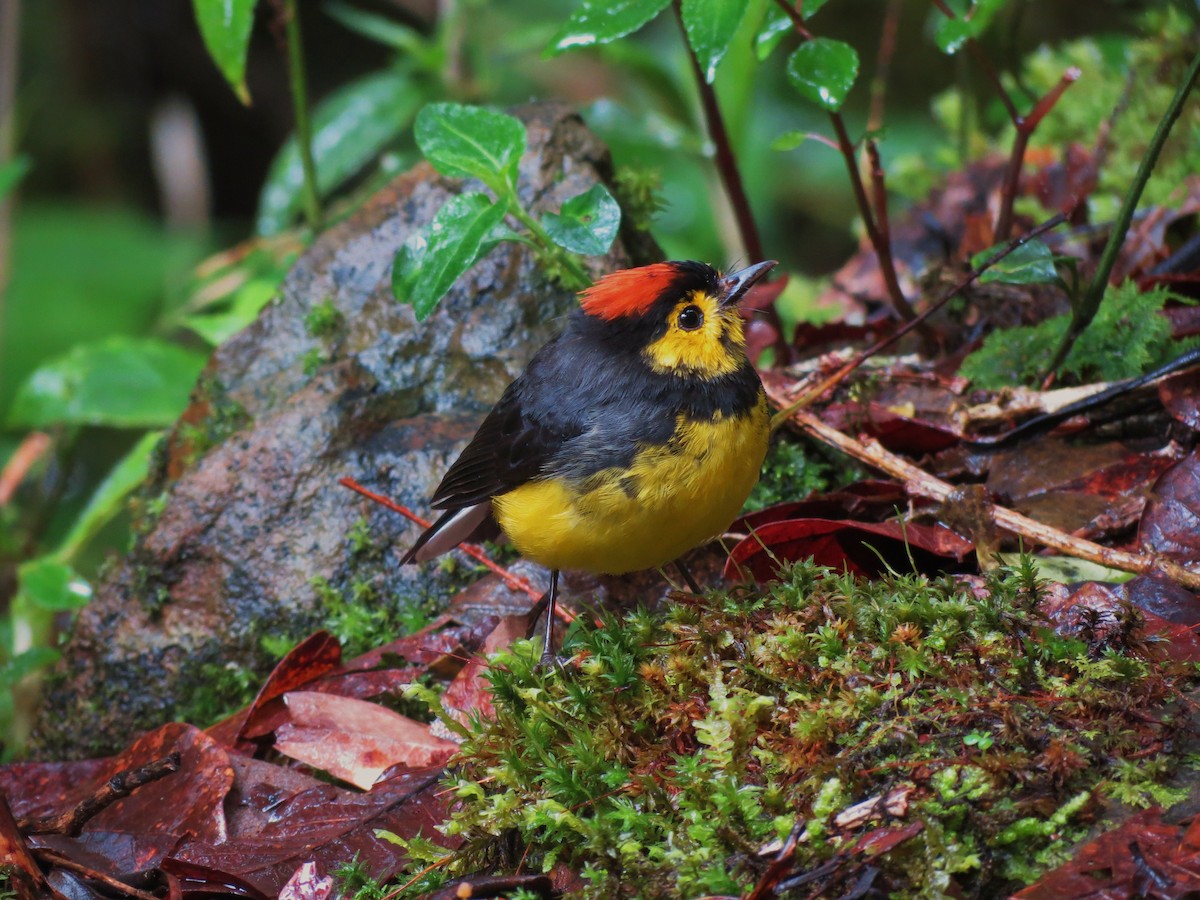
632, 436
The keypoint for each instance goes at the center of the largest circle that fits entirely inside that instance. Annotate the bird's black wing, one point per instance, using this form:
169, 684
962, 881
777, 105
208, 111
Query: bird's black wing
534, 418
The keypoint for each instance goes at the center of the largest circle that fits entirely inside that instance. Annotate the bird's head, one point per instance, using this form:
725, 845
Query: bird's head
684, 314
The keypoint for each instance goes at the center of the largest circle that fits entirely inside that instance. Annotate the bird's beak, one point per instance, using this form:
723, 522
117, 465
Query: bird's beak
735, 284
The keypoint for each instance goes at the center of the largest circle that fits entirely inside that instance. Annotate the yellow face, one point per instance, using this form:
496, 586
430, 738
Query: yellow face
703, 339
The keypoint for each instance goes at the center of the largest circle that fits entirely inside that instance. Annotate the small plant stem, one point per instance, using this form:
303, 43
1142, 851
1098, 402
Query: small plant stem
579, 276
731, 176
1085, 310
295, 51
883, 250
883, 64
735, 188
1025, 126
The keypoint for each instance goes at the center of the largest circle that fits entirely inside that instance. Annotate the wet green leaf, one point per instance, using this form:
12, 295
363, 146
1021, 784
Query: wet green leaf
824, 71
463, 231
587, 223
472, 142
215, 326
951, 34
710, 26
775, 27
225, 27
1030, 263
120, 381
109, 497
51, 585
350, 128
790, 140
598, 22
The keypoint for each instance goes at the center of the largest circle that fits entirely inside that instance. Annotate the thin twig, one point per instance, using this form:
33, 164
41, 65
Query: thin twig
120, 785
55, 858
32, 448
810, 395
514, 582
920, 483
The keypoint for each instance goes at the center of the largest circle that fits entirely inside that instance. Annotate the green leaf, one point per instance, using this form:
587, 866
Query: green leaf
109, 498
598, 22
379, 28
1030, 263
120, 381
823, 70
52, 585
350, 128
23, 664
11, 174
463, 231
587, 223
216, 326
776, 25
790, 140
472, 142
225, 26
710, 26
951, 34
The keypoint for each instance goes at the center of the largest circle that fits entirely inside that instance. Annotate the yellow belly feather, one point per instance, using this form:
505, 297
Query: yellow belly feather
674, 497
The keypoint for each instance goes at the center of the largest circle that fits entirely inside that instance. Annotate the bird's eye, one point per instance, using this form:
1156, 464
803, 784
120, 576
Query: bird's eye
691, 318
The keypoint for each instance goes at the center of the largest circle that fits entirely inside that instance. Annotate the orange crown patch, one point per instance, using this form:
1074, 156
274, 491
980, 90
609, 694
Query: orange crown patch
629, 292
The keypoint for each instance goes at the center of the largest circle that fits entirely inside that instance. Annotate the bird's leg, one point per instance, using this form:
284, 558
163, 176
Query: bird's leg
687, 577
548, 657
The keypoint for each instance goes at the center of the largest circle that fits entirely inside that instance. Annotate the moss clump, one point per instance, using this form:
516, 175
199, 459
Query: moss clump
787, 473
323, 320
686, 746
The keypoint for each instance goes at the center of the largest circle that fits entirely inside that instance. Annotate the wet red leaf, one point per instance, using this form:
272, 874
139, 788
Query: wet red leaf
315, 656
862, 501
1180, 394
1144, 857
881, 840
1171, 523
1064, 608
354, 740
468, 692
863, 548
327, 825
39, 789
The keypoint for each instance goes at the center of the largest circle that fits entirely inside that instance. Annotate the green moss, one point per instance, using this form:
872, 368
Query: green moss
224, 688
787, 474
639, 193
684, 745
224, 417
312, 361
1127, 338
324, 320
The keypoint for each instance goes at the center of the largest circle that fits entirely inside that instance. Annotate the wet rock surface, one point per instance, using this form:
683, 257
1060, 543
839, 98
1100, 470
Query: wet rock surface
246, 535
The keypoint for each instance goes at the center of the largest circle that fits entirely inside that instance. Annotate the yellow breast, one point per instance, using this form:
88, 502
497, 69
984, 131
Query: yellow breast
675, 496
